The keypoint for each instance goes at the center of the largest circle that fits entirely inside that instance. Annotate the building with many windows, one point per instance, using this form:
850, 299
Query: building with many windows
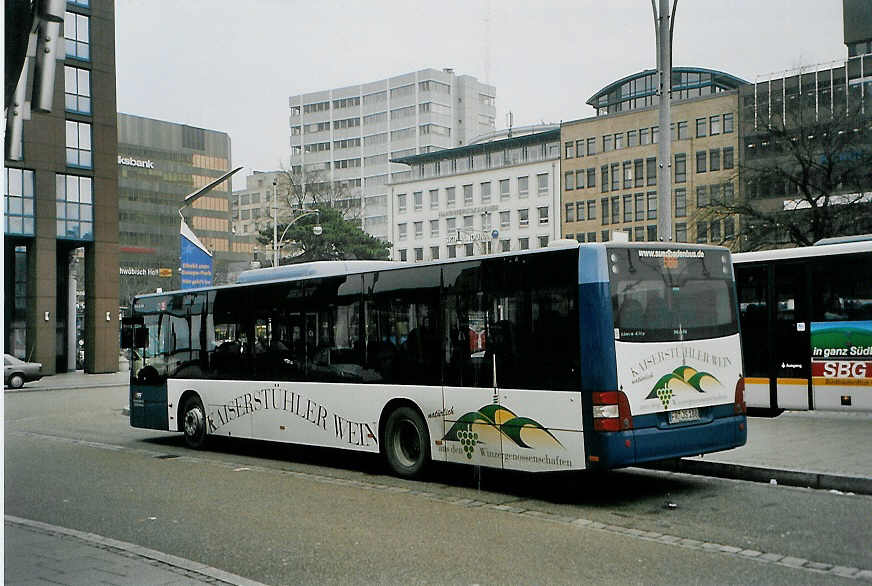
61, 199
159, 163
349, 135
609, 161
496, 194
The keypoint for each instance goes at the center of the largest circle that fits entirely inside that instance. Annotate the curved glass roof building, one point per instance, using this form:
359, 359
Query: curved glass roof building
640, 89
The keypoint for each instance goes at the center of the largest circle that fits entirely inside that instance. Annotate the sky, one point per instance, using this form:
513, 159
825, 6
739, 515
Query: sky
230, 66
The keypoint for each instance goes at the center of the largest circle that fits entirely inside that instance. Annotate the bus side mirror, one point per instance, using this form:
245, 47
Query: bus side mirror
140, 338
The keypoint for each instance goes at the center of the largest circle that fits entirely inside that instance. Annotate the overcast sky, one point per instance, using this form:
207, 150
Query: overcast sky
230, 66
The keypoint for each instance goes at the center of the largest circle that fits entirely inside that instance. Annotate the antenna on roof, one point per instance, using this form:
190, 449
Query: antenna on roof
509, 120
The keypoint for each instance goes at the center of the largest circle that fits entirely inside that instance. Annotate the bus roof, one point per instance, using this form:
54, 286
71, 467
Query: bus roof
803, 252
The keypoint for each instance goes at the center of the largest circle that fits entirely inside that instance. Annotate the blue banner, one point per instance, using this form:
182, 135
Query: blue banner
196, 260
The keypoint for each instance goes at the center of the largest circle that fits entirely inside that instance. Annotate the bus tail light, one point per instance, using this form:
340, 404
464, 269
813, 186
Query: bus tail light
739, 406
611, 411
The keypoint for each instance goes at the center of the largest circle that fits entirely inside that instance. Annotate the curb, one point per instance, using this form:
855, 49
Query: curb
207, 572
788, 477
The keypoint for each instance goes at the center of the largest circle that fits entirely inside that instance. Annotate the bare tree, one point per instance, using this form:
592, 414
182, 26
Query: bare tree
802, 178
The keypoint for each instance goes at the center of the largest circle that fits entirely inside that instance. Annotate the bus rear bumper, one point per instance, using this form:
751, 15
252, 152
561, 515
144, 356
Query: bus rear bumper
148, 407
638, 446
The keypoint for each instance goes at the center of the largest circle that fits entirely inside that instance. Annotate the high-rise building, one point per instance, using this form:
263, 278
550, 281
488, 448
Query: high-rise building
609, 161
159, 163
61, 197
348, 135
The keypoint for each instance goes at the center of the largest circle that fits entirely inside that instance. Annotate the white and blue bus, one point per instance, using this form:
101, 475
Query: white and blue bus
564, 358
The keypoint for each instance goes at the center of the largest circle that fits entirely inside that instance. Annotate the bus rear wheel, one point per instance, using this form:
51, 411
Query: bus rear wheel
406, 443
194, 423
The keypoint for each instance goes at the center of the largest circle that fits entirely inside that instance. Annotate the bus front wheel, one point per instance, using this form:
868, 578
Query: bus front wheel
406, 443
194, 423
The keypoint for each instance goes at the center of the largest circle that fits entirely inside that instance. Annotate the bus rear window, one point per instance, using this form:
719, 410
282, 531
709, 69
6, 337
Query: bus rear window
661, 295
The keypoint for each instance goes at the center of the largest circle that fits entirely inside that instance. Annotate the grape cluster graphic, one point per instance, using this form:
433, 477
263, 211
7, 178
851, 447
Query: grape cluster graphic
665, 395
468, 439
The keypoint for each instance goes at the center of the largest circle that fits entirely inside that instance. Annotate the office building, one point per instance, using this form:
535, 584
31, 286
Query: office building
159, 163
609, 161
349, 135
61, 196
497, 193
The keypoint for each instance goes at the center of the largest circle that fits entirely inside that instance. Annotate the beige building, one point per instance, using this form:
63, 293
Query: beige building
609, 161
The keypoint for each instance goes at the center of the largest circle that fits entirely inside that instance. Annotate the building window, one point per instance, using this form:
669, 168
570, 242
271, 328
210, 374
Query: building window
401, 231
651, 170
486, 192
419, 200
616, 209
728, 123
450, 224
714, 125
523, 186
77, 90
543, 216
619, 141
79, 144
434, 228
523, 218
579, 147
681, 232
715, 160
467, 195
591, 146
591, 177
505, 191
728, 157
434, 199
608, 143
18, 204
467, 221
403, 255
543, 241
639, 234
569, 150
419, 230
542, 183
75, 207
505, 219
434, 253
700, 161
715, 231
450, 199
682, 131
591, 209
729, 228
604, 179
569, 180
401, 202
632, 138
604, 208
652, 233
628, 207
644, 137
469, 249
505, 245
702, 196
700, 127
727, 193
419, 254
452, 251
569, 212
702, 232
680, 167
640, 206
639, 173
523, 243
680, 202
616, 176
604, 235
579, 210
628, 174
76, 36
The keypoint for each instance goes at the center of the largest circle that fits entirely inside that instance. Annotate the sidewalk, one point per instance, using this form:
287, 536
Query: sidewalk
38, 553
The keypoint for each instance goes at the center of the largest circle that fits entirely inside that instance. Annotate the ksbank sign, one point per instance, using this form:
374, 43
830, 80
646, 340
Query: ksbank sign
131, 162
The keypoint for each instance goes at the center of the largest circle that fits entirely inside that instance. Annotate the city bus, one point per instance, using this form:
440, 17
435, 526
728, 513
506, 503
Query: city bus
563, 358
806, 321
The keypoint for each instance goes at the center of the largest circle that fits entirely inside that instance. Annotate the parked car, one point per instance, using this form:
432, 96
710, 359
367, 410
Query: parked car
17, 372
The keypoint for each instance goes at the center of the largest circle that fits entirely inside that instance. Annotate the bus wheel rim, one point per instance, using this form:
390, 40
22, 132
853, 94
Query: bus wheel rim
407, 443
194, 422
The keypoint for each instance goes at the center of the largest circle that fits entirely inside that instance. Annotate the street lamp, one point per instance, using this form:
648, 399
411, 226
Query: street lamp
317, 230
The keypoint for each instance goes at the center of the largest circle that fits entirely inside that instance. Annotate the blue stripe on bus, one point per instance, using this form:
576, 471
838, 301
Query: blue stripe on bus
598, 361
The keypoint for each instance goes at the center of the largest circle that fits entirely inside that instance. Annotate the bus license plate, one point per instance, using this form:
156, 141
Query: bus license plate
684, 415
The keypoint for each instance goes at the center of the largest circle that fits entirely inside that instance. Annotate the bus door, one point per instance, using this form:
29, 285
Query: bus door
470, 402
752, 283
791, 350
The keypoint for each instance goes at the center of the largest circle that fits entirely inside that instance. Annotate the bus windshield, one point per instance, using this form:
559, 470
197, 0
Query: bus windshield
671, 295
